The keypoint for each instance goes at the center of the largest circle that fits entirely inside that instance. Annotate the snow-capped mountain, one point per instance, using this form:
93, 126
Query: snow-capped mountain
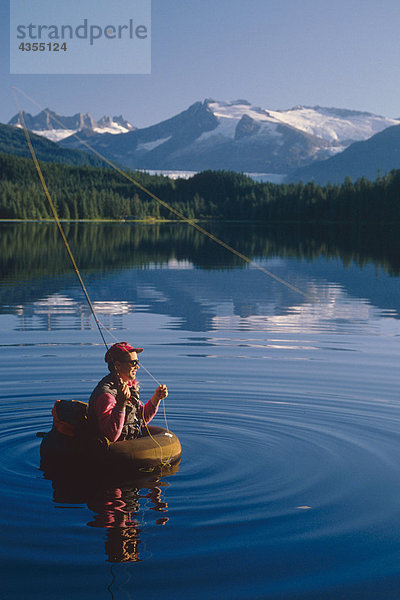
239, 136
339, 127
56, 127
222, 135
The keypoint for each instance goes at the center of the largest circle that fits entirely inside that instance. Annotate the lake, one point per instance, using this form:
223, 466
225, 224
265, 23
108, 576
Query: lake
287, 408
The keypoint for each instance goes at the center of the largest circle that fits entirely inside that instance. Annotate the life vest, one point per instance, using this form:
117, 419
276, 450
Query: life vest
133, 422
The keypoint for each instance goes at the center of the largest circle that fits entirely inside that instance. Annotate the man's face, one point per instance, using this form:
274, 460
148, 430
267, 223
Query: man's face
127, 368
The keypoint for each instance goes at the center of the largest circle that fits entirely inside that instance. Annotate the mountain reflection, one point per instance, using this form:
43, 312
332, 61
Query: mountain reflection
196, 280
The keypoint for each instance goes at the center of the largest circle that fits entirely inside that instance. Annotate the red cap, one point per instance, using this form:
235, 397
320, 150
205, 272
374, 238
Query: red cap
118, 352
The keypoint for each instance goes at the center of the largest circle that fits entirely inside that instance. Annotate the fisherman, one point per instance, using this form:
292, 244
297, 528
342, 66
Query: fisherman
115, 410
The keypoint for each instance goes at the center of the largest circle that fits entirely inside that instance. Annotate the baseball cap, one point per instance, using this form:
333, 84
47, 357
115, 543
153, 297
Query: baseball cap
119, 351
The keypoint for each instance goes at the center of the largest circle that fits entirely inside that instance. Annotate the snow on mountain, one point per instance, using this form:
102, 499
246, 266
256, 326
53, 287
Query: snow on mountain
54, 135
242, 137
339, 126
113, 125
234, 120
272, 140
56, 127
148, 146
230, 114
231, 135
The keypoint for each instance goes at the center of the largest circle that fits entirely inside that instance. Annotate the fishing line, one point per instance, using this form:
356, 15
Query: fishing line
176, 212
57, 220
70, 254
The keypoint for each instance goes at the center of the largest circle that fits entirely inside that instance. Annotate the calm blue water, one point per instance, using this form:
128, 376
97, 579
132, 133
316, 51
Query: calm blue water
287, 410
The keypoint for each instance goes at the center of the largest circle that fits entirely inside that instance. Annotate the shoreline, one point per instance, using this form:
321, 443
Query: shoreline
155, 221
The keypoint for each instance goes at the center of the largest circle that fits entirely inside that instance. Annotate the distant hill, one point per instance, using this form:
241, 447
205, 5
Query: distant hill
213, 134
371, 158
13, 141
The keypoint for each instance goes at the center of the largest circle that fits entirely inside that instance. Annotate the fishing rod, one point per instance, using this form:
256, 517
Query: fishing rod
75, 266
57, 220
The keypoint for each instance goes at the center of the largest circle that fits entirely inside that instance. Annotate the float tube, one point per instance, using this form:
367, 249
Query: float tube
160, 448
70, 444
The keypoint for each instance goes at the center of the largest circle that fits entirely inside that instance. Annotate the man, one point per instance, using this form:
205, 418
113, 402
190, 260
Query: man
115, 410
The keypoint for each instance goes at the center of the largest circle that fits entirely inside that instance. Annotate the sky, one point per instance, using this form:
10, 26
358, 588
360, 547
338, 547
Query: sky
274, 53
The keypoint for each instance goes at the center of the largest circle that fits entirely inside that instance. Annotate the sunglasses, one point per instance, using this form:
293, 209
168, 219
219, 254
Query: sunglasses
133, 363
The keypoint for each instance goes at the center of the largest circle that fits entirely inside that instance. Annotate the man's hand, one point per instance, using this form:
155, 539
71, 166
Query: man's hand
123, 394
160, 393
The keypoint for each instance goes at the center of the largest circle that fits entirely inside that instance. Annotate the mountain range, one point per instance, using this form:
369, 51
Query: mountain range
55, 127
318, 143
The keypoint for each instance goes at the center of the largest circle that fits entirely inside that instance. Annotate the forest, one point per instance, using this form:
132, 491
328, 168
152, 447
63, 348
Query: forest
86, 192
13, 141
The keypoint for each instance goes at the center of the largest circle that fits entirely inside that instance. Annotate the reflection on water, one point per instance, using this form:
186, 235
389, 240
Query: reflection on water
118, 262
115, 506
115, 510
287, 410
30, 250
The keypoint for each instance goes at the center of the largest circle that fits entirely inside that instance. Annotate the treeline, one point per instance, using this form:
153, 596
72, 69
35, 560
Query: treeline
97, 193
